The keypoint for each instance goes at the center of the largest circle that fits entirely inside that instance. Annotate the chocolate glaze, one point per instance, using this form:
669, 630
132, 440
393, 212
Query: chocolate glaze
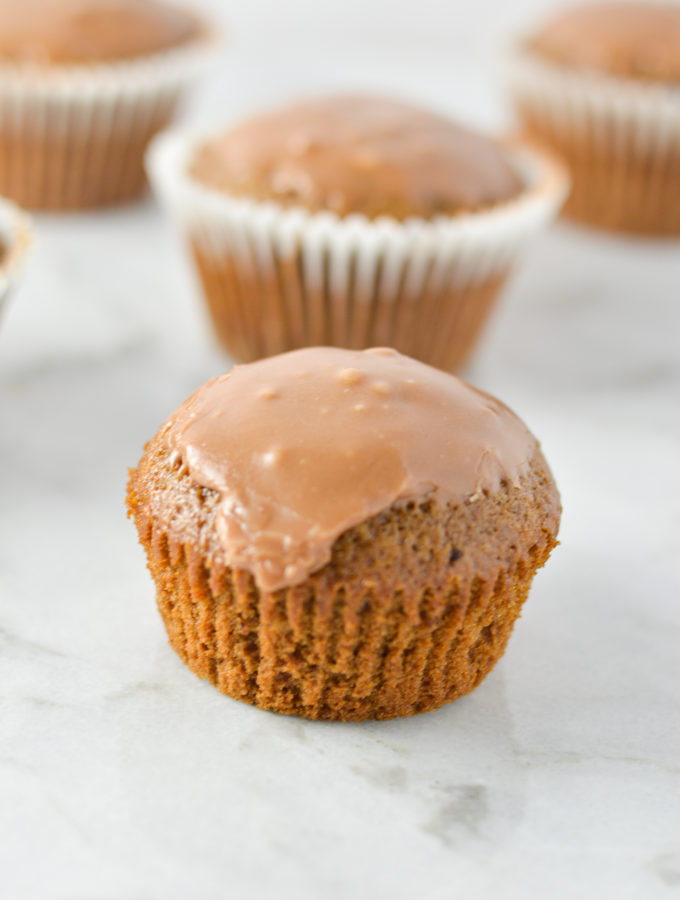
626, 39
359, 154
303, 446
44, 32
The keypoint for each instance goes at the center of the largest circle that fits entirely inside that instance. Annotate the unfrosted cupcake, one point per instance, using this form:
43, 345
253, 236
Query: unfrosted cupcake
342, 534
353, 221
15, 241
84, 85
598, 84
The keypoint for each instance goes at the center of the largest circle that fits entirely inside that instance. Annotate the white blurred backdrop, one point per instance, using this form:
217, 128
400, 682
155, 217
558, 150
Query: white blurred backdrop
443, 53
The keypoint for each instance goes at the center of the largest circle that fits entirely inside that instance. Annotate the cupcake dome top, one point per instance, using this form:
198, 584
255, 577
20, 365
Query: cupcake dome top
71, 32
303, 446
625, 39
359, 154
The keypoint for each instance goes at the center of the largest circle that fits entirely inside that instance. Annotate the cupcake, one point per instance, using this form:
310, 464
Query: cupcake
84, 85
353, 221
598, 85
342, 534
15, 241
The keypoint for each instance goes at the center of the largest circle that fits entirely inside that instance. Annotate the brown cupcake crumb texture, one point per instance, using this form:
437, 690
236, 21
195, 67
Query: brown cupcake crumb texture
359, 154
625, 39
413, 610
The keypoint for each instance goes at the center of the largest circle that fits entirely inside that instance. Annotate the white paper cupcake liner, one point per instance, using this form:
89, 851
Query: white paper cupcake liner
15, 241
74, 136
279, 278
619, 137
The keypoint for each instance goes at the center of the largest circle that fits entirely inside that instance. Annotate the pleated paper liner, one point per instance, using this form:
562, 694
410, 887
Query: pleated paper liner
334, 648
620, 139
74, 137
276, 279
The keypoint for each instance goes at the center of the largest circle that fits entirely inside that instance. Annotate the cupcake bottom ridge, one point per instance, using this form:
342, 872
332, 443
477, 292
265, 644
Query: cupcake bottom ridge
413, 610
262, 311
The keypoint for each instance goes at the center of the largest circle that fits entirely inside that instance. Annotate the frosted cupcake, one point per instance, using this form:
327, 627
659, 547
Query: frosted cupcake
342, 534
598, 84
84, 85
353, 221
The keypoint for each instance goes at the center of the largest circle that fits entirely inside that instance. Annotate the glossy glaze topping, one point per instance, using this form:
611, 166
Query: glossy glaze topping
63, 32
625, 39
359, 154
303, 446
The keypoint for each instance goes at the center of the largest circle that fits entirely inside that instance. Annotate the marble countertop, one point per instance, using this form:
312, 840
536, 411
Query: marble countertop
123, 777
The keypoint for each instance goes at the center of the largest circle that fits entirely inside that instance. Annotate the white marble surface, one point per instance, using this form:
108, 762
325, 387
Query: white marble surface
123, 777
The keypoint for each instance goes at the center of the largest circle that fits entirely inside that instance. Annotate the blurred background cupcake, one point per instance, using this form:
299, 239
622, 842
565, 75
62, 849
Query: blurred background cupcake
353, 221
599, 84
15, 241
84, 85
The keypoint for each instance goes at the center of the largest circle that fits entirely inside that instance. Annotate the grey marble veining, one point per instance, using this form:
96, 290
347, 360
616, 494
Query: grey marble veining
123, 777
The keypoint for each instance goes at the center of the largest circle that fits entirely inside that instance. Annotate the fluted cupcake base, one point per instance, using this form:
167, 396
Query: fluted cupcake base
344, 647
276, 309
